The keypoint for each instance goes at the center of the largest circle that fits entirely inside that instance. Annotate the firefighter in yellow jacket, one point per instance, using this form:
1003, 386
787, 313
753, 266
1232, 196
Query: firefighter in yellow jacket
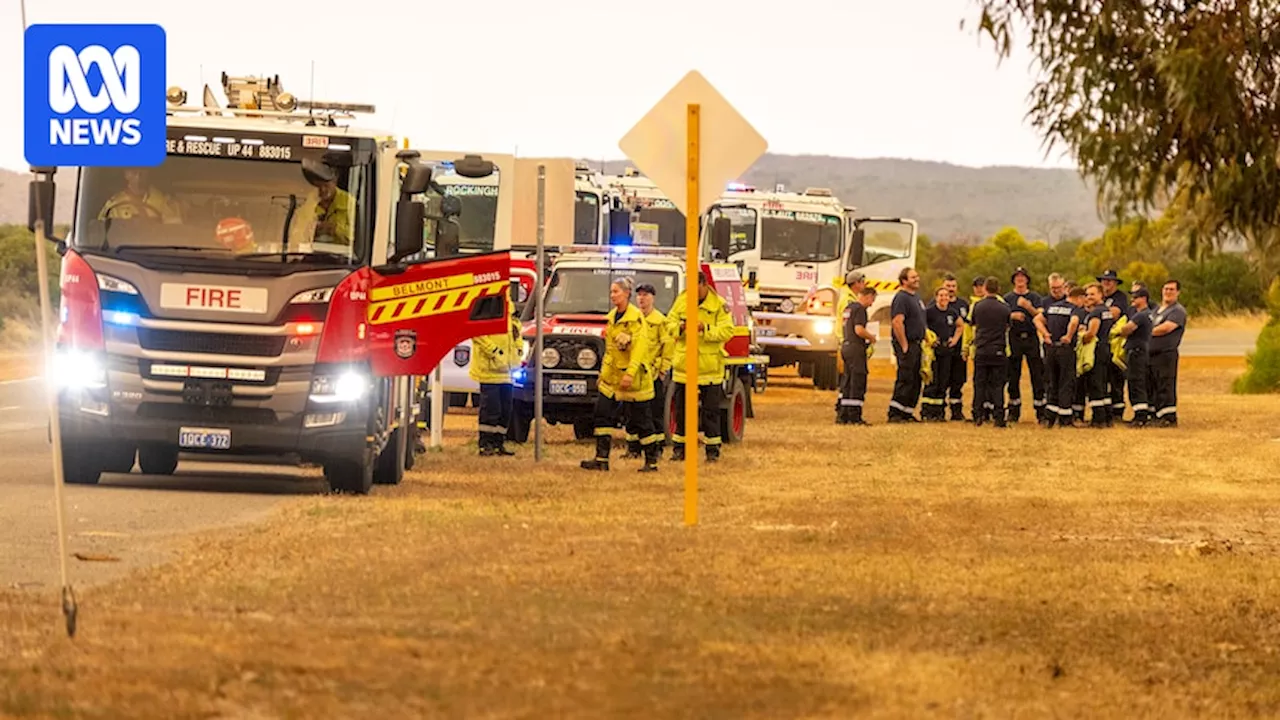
626, 378
493, 358
661, 349
715, 328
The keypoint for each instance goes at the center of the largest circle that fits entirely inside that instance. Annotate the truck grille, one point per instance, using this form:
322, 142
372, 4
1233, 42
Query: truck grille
217, 414
188, 341
570, 347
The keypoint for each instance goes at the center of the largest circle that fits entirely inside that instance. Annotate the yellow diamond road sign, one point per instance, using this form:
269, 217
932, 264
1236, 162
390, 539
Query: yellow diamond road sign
727, 145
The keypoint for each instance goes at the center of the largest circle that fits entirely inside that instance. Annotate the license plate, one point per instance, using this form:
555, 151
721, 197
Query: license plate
204, 438
568, 387
766, 331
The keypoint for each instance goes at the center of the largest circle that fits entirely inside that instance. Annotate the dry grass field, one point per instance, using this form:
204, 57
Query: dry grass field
888, 571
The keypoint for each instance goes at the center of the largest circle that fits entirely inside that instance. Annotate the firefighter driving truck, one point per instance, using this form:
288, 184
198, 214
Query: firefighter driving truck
794, 250
253, 294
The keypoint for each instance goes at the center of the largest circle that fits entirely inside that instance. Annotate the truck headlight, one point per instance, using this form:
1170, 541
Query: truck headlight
347, 386
550, 357
586, 358
824, 327
78, 369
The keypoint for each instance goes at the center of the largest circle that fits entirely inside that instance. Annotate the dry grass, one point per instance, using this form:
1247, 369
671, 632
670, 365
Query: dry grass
1242, 320
886, 572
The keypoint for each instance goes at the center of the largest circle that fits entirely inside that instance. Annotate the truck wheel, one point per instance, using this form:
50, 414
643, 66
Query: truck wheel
805, 369
390, 467
350, 476
118, 459
457, 400
521, 422
583, 429
826, 374
79, 466
410, 447
157, 459
733, 418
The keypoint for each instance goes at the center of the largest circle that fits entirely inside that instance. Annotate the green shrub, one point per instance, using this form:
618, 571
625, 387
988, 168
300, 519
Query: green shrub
1222, 283
1263, 372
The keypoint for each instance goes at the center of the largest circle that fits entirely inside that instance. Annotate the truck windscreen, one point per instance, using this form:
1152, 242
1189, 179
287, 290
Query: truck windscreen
669, 223
234, 199
586, 219
800, 236
575, 291
477, 223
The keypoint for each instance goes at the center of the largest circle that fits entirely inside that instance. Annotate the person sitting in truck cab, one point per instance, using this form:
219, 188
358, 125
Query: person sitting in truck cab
139, 200
714, 326
329, 206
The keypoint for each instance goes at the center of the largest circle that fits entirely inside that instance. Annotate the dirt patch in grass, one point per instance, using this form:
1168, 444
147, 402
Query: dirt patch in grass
886, 571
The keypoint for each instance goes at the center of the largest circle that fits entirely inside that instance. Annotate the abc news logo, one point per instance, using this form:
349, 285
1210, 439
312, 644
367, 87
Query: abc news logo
69, 90
94, 95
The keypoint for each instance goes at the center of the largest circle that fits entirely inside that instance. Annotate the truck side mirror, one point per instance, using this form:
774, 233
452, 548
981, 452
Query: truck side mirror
417, 178
473, 166
447, 238
721, 235
40, 200
411, 216
751, 279
856, 247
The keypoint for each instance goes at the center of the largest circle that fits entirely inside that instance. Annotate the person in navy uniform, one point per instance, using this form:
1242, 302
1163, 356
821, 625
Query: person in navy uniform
991, 318
1098, 326
1076, 296
1137, 334
1168, 323
947, 325
1057, 325
1024, 343
1117, 303
960, 358
907, 313
853, 349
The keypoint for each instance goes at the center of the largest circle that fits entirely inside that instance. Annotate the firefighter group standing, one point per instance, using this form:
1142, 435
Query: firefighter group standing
1082, 347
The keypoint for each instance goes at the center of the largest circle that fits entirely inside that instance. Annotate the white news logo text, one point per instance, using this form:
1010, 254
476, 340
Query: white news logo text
69, 91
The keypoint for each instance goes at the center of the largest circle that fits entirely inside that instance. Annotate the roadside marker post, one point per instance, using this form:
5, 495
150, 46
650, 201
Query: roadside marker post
691, 144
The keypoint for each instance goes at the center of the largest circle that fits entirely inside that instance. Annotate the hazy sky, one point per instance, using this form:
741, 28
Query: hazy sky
851, 78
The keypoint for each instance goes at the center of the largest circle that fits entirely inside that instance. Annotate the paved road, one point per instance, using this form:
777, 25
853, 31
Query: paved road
134, 518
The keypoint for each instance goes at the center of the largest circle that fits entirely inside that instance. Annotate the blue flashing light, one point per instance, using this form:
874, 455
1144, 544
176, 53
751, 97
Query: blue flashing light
738, 186
518, 376
622, 249
116, 317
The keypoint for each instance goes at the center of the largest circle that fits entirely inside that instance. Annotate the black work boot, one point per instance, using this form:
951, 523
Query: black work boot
601, 460
855, 416
651, 453
713, 453
999, 417
1012, 414
633, 450
1140, 419
486, 445
957, 412
677, 452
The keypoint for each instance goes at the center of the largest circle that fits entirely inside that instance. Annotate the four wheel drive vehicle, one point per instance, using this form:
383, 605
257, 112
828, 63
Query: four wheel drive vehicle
794, 250
575, 307
253, 295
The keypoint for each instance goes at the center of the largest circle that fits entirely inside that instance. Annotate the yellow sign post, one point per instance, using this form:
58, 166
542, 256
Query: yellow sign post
692, 180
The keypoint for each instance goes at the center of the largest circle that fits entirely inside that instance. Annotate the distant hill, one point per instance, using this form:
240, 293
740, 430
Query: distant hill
951, 202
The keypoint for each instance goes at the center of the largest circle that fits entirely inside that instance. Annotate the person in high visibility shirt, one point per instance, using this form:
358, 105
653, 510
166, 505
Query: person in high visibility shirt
494, 357
714, 326
661, 349
625, 378
139, 200
326, 215
854, 282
